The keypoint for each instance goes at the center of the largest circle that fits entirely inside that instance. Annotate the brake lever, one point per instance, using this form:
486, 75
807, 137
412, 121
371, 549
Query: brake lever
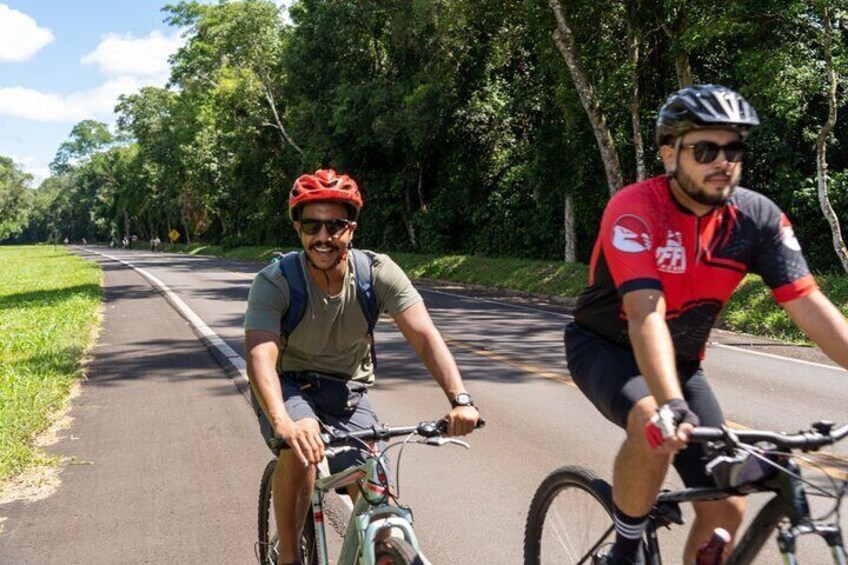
332, 452
440, 441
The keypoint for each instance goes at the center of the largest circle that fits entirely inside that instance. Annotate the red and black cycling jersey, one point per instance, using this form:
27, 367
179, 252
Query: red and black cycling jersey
648, 240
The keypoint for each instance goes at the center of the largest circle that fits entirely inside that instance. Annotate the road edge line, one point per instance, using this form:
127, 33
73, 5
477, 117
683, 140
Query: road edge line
228, 358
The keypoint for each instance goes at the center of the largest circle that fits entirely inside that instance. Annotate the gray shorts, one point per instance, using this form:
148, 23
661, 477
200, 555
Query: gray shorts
334, 402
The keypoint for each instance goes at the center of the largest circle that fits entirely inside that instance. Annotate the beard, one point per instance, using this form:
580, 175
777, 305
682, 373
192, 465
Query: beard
325, 255
700, 195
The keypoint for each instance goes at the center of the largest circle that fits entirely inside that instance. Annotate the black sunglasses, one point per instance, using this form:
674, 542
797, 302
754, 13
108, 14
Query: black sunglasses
707, 151
311, 226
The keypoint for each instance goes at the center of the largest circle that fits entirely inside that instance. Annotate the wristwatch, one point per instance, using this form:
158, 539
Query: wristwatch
462, 399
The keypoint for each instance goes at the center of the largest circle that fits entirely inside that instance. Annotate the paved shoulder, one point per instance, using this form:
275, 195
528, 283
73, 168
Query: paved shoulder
164, 454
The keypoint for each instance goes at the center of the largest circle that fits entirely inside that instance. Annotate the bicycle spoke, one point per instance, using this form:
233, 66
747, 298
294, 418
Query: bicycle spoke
575, 526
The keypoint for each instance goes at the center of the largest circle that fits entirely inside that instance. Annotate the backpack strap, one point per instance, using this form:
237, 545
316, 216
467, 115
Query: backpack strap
292, 271
366, 295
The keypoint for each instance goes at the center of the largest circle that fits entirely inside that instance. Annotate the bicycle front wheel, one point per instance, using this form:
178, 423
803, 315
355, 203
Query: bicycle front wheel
570, 518
267, 546
395, 551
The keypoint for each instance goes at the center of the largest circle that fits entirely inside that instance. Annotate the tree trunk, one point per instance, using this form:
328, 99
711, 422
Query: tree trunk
633, 70
564, 40
407, 217
421, 201
185, 228
684, 71
821, 146
681, 58
568, 225
277, 123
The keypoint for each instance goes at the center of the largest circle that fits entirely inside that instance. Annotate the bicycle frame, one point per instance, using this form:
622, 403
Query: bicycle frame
790, 501
367, 519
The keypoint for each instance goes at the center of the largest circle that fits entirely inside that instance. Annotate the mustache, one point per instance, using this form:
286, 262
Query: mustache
318, 244
717, 175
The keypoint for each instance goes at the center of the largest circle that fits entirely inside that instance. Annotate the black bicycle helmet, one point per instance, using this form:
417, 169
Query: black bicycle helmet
708, 105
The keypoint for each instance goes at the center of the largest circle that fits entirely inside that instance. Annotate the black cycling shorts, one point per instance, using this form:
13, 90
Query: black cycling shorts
608, 375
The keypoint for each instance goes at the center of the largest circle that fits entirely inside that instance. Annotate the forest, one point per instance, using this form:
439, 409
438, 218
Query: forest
474, 127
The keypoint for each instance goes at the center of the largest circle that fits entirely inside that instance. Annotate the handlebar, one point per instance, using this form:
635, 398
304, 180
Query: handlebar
381, 432
821, 434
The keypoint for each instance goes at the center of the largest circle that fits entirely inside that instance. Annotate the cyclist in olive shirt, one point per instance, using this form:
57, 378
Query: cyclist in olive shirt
321, 372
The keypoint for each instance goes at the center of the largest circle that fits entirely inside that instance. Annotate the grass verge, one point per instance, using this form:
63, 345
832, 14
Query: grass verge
49, 313
751, 310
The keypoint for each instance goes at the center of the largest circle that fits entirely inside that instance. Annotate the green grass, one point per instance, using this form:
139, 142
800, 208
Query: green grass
49, 304
751, 309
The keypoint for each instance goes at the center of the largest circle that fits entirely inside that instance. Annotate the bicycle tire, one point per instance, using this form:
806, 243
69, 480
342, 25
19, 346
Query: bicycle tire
395, 551
266, 537
266, 547
577, 506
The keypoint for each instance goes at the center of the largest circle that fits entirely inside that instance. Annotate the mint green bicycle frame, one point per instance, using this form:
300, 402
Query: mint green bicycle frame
367, 519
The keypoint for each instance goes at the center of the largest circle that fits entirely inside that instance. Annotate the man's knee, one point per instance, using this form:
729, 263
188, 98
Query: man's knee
640, 414
291, 470
637, 419
727, 513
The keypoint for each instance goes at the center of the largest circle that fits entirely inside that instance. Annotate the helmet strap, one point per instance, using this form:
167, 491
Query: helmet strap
672, 172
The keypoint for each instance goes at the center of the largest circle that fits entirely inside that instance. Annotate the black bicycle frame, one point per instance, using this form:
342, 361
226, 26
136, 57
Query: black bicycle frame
790, 502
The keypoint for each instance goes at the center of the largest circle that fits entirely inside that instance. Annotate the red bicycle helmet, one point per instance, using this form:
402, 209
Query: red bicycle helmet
324, 186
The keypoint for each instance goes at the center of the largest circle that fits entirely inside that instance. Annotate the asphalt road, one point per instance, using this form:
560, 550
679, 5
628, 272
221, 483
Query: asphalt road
171, 456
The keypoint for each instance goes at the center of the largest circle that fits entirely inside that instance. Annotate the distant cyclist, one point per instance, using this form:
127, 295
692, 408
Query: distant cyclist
322, 371
670, 252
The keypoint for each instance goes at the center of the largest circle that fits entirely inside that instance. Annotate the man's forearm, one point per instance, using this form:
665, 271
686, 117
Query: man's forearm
270, 395
441, 364
654, 353
262, 373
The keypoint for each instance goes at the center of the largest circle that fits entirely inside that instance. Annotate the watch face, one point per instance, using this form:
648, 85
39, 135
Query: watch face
462, 399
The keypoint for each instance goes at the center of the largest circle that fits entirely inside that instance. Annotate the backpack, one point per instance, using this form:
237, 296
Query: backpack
292, 270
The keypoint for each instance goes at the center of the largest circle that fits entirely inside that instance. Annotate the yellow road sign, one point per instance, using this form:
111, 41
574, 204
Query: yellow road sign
174, 235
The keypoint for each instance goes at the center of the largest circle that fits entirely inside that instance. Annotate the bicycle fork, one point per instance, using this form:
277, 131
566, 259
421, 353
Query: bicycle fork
832, 535
318, 521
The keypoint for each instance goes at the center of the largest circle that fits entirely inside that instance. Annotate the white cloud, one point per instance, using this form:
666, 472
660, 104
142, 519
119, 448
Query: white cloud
124, 55
97, 103
34, 166
20, 36
131, 64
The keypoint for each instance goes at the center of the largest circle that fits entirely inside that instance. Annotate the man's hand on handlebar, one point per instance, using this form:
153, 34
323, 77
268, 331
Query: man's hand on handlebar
462, 420
669, 429
304, 438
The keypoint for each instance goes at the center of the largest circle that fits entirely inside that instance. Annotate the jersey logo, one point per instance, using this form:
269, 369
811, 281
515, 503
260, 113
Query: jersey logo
787, 234
671, 258
630, 234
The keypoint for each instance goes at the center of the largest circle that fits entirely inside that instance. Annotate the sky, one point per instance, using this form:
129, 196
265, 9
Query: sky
63, 61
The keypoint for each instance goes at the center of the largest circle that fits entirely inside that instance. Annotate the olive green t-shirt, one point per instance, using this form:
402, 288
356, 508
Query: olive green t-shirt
332, 337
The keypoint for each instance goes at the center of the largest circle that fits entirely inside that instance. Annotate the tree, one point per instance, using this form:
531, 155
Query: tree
86, 138
564, 38
827, 32
245, 35
15, 198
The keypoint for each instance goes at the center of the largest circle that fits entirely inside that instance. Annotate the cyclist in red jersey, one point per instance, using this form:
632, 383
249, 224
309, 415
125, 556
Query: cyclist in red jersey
670, 252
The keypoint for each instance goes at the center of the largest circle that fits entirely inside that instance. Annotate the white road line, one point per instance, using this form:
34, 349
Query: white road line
568, 317
779, 357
